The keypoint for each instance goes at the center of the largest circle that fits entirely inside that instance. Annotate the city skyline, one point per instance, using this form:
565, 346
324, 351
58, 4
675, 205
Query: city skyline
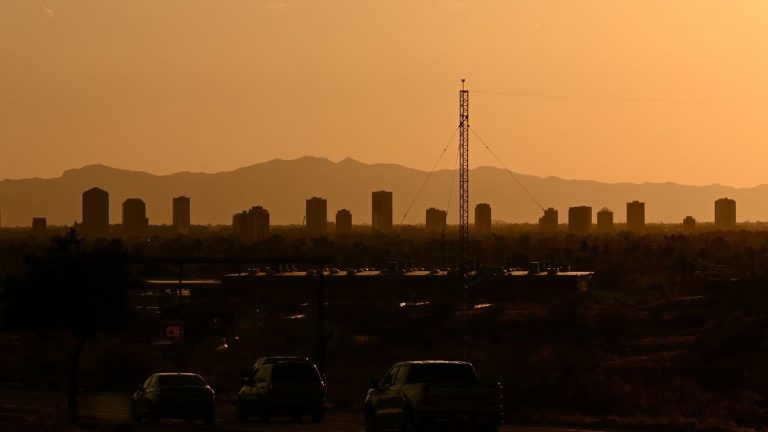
350, 184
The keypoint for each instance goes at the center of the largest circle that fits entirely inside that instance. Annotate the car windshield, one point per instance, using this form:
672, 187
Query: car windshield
294, 372
442, 373
186, 380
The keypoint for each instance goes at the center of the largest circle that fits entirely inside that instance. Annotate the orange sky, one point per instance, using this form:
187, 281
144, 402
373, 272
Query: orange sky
668, 90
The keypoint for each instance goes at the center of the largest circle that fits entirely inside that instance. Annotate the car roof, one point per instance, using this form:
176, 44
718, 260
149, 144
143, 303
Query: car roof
176, 373
263, 361
413, 362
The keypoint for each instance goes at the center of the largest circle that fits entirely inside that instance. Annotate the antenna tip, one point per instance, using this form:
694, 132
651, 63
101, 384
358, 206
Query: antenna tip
462, 80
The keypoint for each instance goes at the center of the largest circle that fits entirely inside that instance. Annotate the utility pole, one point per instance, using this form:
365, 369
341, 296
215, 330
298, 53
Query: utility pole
463, 179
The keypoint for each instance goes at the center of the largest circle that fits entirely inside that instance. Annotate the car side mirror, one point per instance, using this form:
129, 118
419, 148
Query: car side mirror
247, 381
373, 385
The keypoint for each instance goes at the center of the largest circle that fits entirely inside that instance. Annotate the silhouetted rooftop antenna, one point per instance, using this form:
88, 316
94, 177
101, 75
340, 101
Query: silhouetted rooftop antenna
463, 177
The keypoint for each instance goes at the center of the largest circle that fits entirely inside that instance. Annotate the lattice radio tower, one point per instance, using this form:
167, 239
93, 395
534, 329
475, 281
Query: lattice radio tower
463, 178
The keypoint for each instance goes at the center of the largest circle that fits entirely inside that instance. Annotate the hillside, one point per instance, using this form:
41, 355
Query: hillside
282, 186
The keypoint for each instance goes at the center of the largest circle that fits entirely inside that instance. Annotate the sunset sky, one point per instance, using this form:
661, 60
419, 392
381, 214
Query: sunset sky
668, 90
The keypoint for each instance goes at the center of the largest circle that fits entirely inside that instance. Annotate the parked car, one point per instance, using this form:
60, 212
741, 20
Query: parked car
174, 395
274, 359
432, 395
286, 387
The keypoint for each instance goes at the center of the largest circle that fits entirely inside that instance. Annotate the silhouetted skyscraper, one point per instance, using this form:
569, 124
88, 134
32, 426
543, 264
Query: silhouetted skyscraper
251, 224
483, 219
436, 220
181, 213
548, 221
725, 213
135, 220
343, 221
241, 224
636, 216
381, 211
39, 225
260, 219
689, 225
604, 221
95, 213
579, 220
317, 216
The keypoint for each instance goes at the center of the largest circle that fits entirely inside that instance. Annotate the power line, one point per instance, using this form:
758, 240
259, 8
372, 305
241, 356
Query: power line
429, 175
506, 169
616, 98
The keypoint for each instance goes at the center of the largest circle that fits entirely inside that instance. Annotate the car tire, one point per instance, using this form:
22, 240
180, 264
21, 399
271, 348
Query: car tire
154, 415
370, 420
318, 414
135, 415
242, 412
409, 422
263, 413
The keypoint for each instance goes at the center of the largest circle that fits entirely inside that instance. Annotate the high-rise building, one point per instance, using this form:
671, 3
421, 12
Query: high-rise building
251, 224
483, 219
689, 225
135, 220
604, 221
636, 216
181, 213
343, 222
381, 211
579, 220
725, 213
241, 224
260, 219
39, 225
548, 222
436, 220
95, 213
317, 216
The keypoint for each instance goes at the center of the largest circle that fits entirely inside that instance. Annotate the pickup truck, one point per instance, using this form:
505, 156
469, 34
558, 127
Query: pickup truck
432, 395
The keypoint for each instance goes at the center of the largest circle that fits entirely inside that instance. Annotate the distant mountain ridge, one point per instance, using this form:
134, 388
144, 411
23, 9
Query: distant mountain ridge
282, 186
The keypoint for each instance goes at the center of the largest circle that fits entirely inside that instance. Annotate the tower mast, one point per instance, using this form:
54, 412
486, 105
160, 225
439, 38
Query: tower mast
463, 178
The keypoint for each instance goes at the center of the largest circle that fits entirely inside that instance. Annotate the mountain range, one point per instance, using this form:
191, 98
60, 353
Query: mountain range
282, 186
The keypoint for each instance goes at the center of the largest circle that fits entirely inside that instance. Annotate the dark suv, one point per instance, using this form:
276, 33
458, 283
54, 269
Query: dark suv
292, 387
174, 395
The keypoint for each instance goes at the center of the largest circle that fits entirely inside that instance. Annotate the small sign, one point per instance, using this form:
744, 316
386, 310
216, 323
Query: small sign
174, 331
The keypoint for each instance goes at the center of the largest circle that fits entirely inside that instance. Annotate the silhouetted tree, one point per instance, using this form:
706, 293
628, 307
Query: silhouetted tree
77, 288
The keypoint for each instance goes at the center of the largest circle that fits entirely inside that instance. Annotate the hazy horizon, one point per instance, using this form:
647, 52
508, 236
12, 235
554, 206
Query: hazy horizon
637, 92
425, 171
